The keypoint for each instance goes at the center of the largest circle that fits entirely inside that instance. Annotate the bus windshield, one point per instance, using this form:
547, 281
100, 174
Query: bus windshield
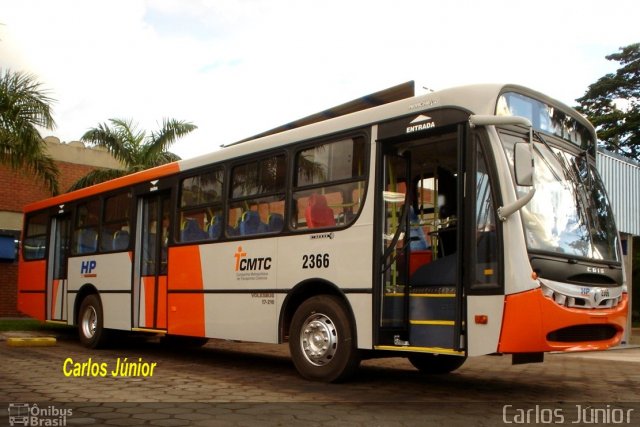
546, 118
570, 214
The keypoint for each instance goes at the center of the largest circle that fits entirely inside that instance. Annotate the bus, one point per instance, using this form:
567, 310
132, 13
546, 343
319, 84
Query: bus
463, 222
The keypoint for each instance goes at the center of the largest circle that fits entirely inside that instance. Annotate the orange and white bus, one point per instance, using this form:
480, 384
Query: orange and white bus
463, 222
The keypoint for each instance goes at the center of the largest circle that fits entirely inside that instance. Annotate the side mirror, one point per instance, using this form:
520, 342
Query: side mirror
504, 121
523, 164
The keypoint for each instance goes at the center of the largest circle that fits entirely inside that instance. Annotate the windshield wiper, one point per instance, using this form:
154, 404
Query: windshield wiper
568, 173
546, 162
588, 167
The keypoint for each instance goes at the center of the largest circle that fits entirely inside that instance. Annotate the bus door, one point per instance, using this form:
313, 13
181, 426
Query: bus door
483, 277
57, 284
394, 270
151, 254
422, 248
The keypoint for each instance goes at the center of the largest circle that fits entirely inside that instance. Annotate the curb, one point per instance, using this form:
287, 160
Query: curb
31, 342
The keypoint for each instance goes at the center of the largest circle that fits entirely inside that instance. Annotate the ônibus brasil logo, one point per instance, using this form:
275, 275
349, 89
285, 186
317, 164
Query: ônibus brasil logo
25, 414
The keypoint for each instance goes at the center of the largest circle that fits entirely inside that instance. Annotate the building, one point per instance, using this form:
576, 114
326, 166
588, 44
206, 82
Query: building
18, 188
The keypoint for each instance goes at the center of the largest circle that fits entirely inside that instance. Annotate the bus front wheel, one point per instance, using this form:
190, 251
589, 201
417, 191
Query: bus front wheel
90, 322
321, 340
436, 363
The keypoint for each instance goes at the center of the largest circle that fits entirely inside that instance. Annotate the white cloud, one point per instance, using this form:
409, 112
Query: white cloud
213, 61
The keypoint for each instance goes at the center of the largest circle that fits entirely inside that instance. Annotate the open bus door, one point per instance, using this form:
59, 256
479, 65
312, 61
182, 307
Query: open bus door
57, 283
151, 261
420, 288
441, 285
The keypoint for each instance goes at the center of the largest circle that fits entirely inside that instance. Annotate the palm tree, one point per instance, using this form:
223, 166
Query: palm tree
25, 106
132, 147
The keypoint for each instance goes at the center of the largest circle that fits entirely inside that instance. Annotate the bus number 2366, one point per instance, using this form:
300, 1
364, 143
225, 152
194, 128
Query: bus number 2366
315, 261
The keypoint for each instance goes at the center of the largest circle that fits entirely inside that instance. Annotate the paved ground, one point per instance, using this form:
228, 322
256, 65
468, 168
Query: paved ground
236, 384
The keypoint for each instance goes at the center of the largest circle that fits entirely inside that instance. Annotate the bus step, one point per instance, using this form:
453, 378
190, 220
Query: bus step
432, 333
428, 306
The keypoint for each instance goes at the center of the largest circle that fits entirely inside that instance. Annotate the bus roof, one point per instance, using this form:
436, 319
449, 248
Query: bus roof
476, 99
114, 184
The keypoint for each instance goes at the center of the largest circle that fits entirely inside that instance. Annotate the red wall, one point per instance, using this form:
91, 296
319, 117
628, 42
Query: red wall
8, 289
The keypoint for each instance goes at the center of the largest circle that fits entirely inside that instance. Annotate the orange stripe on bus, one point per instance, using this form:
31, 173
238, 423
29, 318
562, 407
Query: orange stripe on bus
149, 300
162, 303
114, 184
530, 316
54, 298
186, 311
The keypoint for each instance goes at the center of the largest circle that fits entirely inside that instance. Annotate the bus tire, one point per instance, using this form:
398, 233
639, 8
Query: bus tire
321, 340
90, 323
436, 364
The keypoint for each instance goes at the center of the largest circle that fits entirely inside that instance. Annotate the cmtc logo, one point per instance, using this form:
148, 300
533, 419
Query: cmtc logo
87, 267
243, 263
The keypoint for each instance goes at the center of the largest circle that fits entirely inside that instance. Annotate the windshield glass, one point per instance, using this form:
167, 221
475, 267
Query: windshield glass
570, 213
546, 118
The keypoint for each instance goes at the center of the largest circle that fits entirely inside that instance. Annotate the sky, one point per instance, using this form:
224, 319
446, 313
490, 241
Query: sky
236, 68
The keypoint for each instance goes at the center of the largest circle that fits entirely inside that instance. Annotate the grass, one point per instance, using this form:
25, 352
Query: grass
29, 325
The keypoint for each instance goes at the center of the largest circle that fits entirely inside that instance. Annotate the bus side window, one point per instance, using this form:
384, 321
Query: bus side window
257, 197
329, 184
201, 206
87, 241
114, 234
486, 241
34, 245
85, 236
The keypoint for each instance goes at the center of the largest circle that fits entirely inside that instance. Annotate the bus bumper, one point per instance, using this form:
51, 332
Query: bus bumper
534, 323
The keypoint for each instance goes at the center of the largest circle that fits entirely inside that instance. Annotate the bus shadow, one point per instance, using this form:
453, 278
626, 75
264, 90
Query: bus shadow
464, 384
270, 364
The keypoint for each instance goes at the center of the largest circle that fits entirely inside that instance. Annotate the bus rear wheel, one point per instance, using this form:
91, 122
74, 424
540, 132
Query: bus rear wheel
322, 341
90, 323
436, 363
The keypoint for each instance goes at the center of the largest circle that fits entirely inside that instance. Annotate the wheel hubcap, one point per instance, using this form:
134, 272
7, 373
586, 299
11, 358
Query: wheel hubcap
89, 322
318, 339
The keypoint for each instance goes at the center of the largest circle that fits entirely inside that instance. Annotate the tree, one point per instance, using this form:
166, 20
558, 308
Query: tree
25, 106
612, 104
132, 147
